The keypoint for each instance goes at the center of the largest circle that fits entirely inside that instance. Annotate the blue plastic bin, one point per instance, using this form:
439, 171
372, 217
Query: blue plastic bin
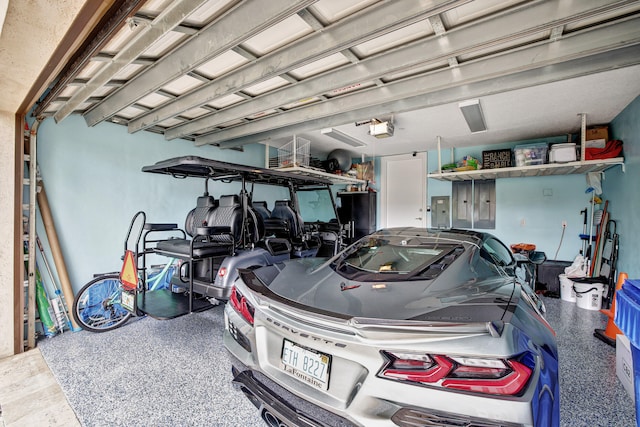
626, 318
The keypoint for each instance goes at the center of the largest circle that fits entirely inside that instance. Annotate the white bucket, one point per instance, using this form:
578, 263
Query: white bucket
566, 289
588, 295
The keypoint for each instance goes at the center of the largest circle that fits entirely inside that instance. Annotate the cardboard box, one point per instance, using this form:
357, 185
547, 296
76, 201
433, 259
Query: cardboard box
624, 364
597, 132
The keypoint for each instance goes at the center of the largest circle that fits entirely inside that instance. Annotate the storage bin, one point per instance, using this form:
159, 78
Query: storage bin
624, 364
566, 289
549, 276
530, 154
562, 153
588, 295
627, 318
294, 153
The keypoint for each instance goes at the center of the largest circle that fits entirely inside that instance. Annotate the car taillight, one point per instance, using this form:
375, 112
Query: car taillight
240, 304
222, 271
422, 370
478, 375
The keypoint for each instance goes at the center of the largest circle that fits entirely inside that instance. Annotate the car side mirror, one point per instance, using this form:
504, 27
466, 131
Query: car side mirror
537, 257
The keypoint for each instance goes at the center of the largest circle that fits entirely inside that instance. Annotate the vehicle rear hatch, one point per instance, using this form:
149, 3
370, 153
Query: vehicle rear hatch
323, 291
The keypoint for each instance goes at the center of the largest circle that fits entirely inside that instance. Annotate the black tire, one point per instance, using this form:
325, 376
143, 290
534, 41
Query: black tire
97, 307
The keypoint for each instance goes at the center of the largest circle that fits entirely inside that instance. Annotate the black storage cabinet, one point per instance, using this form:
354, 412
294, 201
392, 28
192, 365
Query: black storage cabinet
358, 209
548, 276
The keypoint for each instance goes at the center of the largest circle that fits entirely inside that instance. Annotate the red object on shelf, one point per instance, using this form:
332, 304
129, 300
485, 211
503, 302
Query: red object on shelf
611, 149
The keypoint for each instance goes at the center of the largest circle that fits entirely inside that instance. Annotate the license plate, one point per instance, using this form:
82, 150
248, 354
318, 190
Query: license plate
308, 365
128, 301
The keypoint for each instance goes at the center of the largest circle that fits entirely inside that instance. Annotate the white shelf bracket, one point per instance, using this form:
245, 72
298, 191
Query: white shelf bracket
439, 153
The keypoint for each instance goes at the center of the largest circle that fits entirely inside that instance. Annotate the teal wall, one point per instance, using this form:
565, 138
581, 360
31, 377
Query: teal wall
529, 210
94, 185
622, 189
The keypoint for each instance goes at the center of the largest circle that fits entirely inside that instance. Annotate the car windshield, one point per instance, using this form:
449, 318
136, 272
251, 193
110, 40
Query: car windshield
316, 205
406, 257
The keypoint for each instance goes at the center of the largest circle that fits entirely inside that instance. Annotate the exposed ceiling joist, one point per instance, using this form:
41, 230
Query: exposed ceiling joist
236, 72
579, 45
629, 56
539, 18
112, 22
373, 22
143, 20
168, 20
237, 25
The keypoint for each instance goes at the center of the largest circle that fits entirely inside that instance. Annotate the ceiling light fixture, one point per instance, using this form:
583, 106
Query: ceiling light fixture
473, 115
342, 137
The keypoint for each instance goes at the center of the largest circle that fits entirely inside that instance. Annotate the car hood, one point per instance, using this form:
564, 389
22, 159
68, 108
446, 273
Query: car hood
452, 297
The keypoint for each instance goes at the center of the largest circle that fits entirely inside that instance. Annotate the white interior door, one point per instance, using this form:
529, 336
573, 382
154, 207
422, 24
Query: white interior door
403, 190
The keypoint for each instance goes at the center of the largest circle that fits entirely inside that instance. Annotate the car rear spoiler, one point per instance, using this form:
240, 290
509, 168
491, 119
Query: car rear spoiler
365, 324
493, 328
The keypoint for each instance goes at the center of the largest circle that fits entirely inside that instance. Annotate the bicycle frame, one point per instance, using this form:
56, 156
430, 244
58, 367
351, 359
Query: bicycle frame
99, 305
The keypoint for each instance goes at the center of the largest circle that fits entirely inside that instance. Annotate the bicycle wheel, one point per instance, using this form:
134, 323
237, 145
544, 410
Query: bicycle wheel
97, 307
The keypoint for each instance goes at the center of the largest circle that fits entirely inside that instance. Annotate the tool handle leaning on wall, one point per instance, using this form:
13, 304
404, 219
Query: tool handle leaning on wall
58, 259
59, 306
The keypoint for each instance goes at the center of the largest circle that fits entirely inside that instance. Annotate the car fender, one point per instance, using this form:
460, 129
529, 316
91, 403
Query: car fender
255, 257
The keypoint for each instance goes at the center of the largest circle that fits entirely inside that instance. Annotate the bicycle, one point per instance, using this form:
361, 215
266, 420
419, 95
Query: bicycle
98, 305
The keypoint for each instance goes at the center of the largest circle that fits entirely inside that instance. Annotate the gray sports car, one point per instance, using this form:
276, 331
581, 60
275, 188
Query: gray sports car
407, 327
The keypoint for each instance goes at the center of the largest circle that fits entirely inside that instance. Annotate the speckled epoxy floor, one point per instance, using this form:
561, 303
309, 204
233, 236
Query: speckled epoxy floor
151, 373
177, 372
590, 393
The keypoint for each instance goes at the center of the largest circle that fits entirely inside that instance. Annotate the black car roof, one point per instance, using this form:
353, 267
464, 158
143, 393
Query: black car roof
194, 166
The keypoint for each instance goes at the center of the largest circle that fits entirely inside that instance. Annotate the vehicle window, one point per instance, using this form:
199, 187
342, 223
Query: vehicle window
315, 205
269, 194
498, 252
382, 259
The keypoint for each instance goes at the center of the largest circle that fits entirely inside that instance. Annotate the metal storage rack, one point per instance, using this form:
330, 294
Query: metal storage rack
577, 167
310, 171
334, 178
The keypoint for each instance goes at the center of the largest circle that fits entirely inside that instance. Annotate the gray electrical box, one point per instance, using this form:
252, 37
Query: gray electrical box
462, 192
484, 204
474, 204
440, 207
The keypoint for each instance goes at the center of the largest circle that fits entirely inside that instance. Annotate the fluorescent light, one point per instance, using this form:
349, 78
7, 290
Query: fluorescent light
342, 137
473, 115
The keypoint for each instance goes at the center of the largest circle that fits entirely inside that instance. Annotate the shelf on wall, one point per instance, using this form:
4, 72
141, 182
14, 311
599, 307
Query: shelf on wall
300, 165
570, 168
334, 178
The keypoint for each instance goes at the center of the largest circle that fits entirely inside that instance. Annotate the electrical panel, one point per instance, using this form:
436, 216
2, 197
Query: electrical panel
440, 212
